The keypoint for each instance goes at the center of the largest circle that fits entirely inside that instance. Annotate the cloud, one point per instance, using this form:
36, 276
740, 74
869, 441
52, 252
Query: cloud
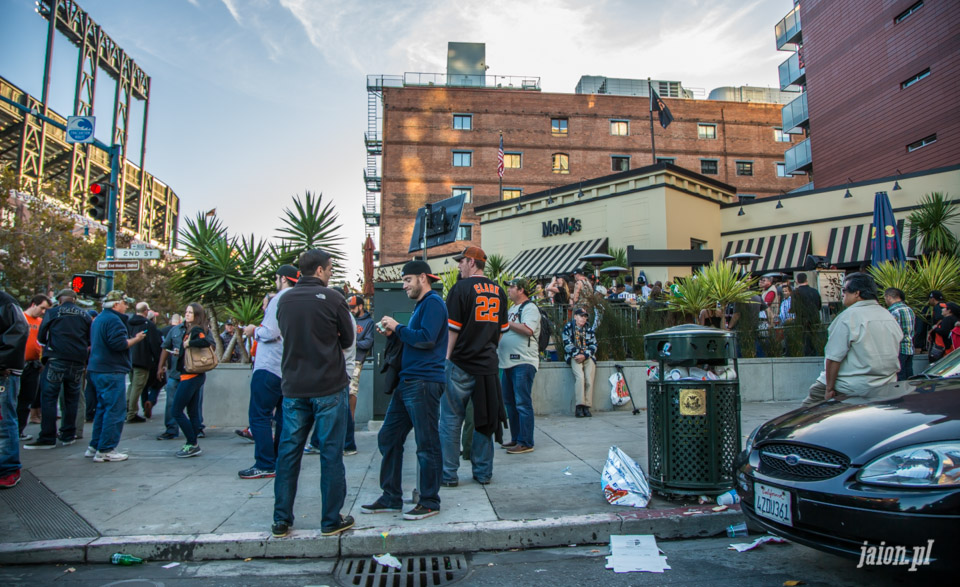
234, 11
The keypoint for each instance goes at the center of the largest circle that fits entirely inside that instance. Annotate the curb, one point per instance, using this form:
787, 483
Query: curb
689, 522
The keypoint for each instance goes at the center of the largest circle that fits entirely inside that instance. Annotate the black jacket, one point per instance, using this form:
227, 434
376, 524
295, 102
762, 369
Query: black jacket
806, 305
316, 326
65, 332
13, 334
145, 354
364, 336
392, 363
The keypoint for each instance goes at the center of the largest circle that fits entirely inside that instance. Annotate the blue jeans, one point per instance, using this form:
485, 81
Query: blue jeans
266, 408
59, 375
111, 393
459, 388
168, 420
906, 367
517, 384
9, 430
299, 415
90, 395
349, 439
415, 405
187, 397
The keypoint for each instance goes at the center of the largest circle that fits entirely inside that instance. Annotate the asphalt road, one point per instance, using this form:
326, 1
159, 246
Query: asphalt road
705, 562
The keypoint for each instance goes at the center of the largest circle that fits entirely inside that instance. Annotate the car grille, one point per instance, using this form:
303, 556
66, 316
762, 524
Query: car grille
792, 461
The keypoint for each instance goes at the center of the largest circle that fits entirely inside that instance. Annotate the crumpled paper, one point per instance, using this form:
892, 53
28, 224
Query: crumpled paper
387, 560
745, 546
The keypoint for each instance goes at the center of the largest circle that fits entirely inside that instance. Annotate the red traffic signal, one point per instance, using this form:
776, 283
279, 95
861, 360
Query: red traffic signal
84, 284
98, 200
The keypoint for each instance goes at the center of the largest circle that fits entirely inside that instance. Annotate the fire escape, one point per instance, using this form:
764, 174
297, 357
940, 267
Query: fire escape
374, 145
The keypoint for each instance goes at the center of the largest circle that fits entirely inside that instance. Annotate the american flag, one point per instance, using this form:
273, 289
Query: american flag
500, 158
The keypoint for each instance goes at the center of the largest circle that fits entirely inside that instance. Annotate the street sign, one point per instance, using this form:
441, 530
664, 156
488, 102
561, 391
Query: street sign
80, 129
138, 245
138, 253
118, 265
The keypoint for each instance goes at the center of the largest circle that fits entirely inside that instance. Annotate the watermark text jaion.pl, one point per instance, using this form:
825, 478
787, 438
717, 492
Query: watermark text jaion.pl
883, 555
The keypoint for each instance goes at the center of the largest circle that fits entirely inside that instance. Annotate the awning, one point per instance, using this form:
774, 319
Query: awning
850, 245
554, 259
782, 252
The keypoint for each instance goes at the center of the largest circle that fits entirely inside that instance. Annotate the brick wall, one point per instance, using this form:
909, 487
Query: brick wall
856, 58
419, 141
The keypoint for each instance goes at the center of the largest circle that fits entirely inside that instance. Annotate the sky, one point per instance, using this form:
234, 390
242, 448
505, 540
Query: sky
256, 101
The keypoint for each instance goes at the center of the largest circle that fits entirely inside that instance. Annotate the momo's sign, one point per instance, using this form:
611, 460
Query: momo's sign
561, 226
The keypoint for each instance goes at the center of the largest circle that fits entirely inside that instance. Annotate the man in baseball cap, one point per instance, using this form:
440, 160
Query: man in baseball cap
113, 297
288, 272
475, 253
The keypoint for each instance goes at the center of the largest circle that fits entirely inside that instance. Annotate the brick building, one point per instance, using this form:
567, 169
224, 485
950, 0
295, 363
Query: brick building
439, 141
881, 83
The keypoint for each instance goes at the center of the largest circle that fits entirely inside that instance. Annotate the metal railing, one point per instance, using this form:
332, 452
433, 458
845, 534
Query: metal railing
515, 82
791, 74
798, 158
788, 30
795, 113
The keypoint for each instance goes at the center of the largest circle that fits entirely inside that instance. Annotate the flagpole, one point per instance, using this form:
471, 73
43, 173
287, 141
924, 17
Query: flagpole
653, 142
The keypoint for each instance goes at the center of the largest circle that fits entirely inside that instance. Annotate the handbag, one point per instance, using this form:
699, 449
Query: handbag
936, 353
200, 359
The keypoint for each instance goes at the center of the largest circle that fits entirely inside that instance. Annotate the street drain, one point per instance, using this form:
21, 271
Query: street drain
414, 571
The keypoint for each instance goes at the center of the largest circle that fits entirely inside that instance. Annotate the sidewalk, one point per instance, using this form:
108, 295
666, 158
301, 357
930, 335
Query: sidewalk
70, 509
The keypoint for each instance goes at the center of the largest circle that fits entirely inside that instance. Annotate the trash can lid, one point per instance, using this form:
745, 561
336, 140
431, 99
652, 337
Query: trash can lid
689, 330
690, 342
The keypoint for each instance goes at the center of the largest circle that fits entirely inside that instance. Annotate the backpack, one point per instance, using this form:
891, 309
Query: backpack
546, 327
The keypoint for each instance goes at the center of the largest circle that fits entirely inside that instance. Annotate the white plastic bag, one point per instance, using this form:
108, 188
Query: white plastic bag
623, 480
619, 396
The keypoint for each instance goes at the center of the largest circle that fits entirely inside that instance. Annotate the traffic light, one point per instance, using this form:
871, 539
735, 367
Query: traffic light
99, 192
85, 284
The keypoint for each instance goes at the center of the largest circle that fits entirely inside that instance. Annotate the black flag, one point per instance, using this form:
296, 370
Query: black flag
657, 105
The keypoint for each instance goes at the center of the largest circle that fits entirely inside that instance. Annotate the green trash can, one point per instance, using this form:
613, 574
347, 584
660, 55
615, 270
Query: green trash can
693, 423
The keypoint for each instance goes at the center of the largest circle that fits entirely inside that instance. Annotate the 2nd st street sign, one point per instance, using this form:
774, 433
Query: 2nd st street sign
118, 265
138, 253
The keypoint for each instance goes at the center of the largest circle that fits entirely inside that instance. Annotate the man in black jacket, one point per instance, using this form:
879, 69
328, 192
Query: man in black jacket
806, 307
13, 341
65, 332
316, 327
145, 358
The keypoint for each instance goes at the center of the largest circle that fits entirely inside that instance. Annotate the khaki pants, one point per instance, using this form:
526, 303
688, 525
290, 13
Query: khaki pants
583, 376
817, 394
138, 382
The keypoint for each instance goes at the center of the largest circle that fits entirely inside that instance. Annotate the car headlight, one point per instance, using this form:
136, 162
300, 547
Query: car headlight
927, 465
750, 439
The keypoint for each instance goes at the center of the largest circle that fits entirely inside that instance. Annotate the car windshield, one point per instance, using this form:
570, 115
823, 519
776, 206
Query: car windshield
948, 366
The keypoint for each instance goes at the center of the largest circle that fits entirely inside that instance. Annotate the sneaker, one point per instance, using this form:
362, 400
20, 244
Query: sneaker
166, 436
586, 412
136, 419
189, 450
487, 482
449, 483
37, 445
26, 437
280, 529
519, 449
349, 452
68, 442
201, 434
378, 507
508, 445
311, 450
255, 473
148, 409
10, 480
113, 455
419, 512
346, 522
90, 453
244, 434
579, 412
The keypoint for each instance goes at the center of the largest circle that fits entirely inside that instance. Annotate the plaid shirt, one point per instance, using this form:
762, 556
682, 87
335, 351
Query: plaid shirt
905, 318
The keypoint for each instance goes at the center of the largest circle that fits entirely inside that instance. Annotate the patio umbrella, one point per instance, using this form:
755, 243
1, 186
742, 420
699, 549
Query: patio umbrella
368, 267
885, 244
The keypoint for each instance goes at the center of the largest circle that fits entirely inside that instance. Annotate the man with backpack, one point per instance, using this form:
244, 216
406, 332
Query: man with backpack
519, 357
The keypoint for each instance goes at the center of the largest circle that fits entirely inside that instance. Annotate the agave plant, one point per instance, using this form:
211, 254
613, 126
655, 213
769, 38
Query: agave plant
932, 221
726, 284
310, 225
695, 294
244, 310
495, 267
936, 272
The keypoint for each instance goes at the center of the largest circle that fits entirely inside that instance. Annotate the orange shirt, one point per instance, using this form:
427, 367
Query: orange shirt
34, 350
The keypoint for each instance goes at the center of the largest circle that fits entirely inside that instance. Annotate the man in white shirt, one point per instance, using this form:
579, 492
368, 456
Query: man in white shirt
519, 357
862, 354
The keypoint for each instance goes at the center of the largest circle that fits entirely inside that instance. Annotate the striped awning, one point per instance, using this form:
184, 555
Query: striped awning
850, 245
554, 259
781, 252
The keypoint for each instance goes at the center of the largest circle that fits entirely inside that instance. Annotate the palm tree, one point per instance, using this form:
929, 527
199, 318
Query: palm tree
931, 222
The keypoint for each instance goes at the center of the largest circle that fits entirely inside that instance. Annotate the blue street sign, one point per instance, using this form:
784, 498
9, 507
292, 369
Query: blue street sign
80, 129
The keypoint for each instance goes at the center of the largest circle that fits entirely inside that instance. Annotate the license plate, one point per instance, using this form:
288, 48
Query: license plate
772, 503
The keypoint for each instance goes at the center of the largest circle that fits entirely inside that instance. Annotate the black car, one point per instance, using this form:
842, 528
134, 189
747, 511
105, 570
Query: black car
845, 477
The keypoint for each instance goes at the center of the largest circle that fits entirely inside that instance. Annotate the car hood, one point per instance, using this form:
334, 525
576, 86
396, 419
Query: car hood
865, 431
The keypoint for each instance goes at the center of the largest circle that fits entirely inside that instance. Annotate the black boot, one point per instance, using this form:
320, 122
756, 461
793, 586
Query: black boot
579, 412
586, 412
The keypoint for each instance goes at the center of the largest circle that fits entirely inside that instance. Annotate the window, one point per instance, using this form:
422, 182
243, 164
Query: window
670, 160
782, 170
465, 233
620, 128
780, 136
620, 162
466, 192
463, 158
744, 167
511, 193
558, 127
706, 131
906, 84
512, 160
921, 143
463, 121
708, 166
697, 244
903, 15
561, 163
